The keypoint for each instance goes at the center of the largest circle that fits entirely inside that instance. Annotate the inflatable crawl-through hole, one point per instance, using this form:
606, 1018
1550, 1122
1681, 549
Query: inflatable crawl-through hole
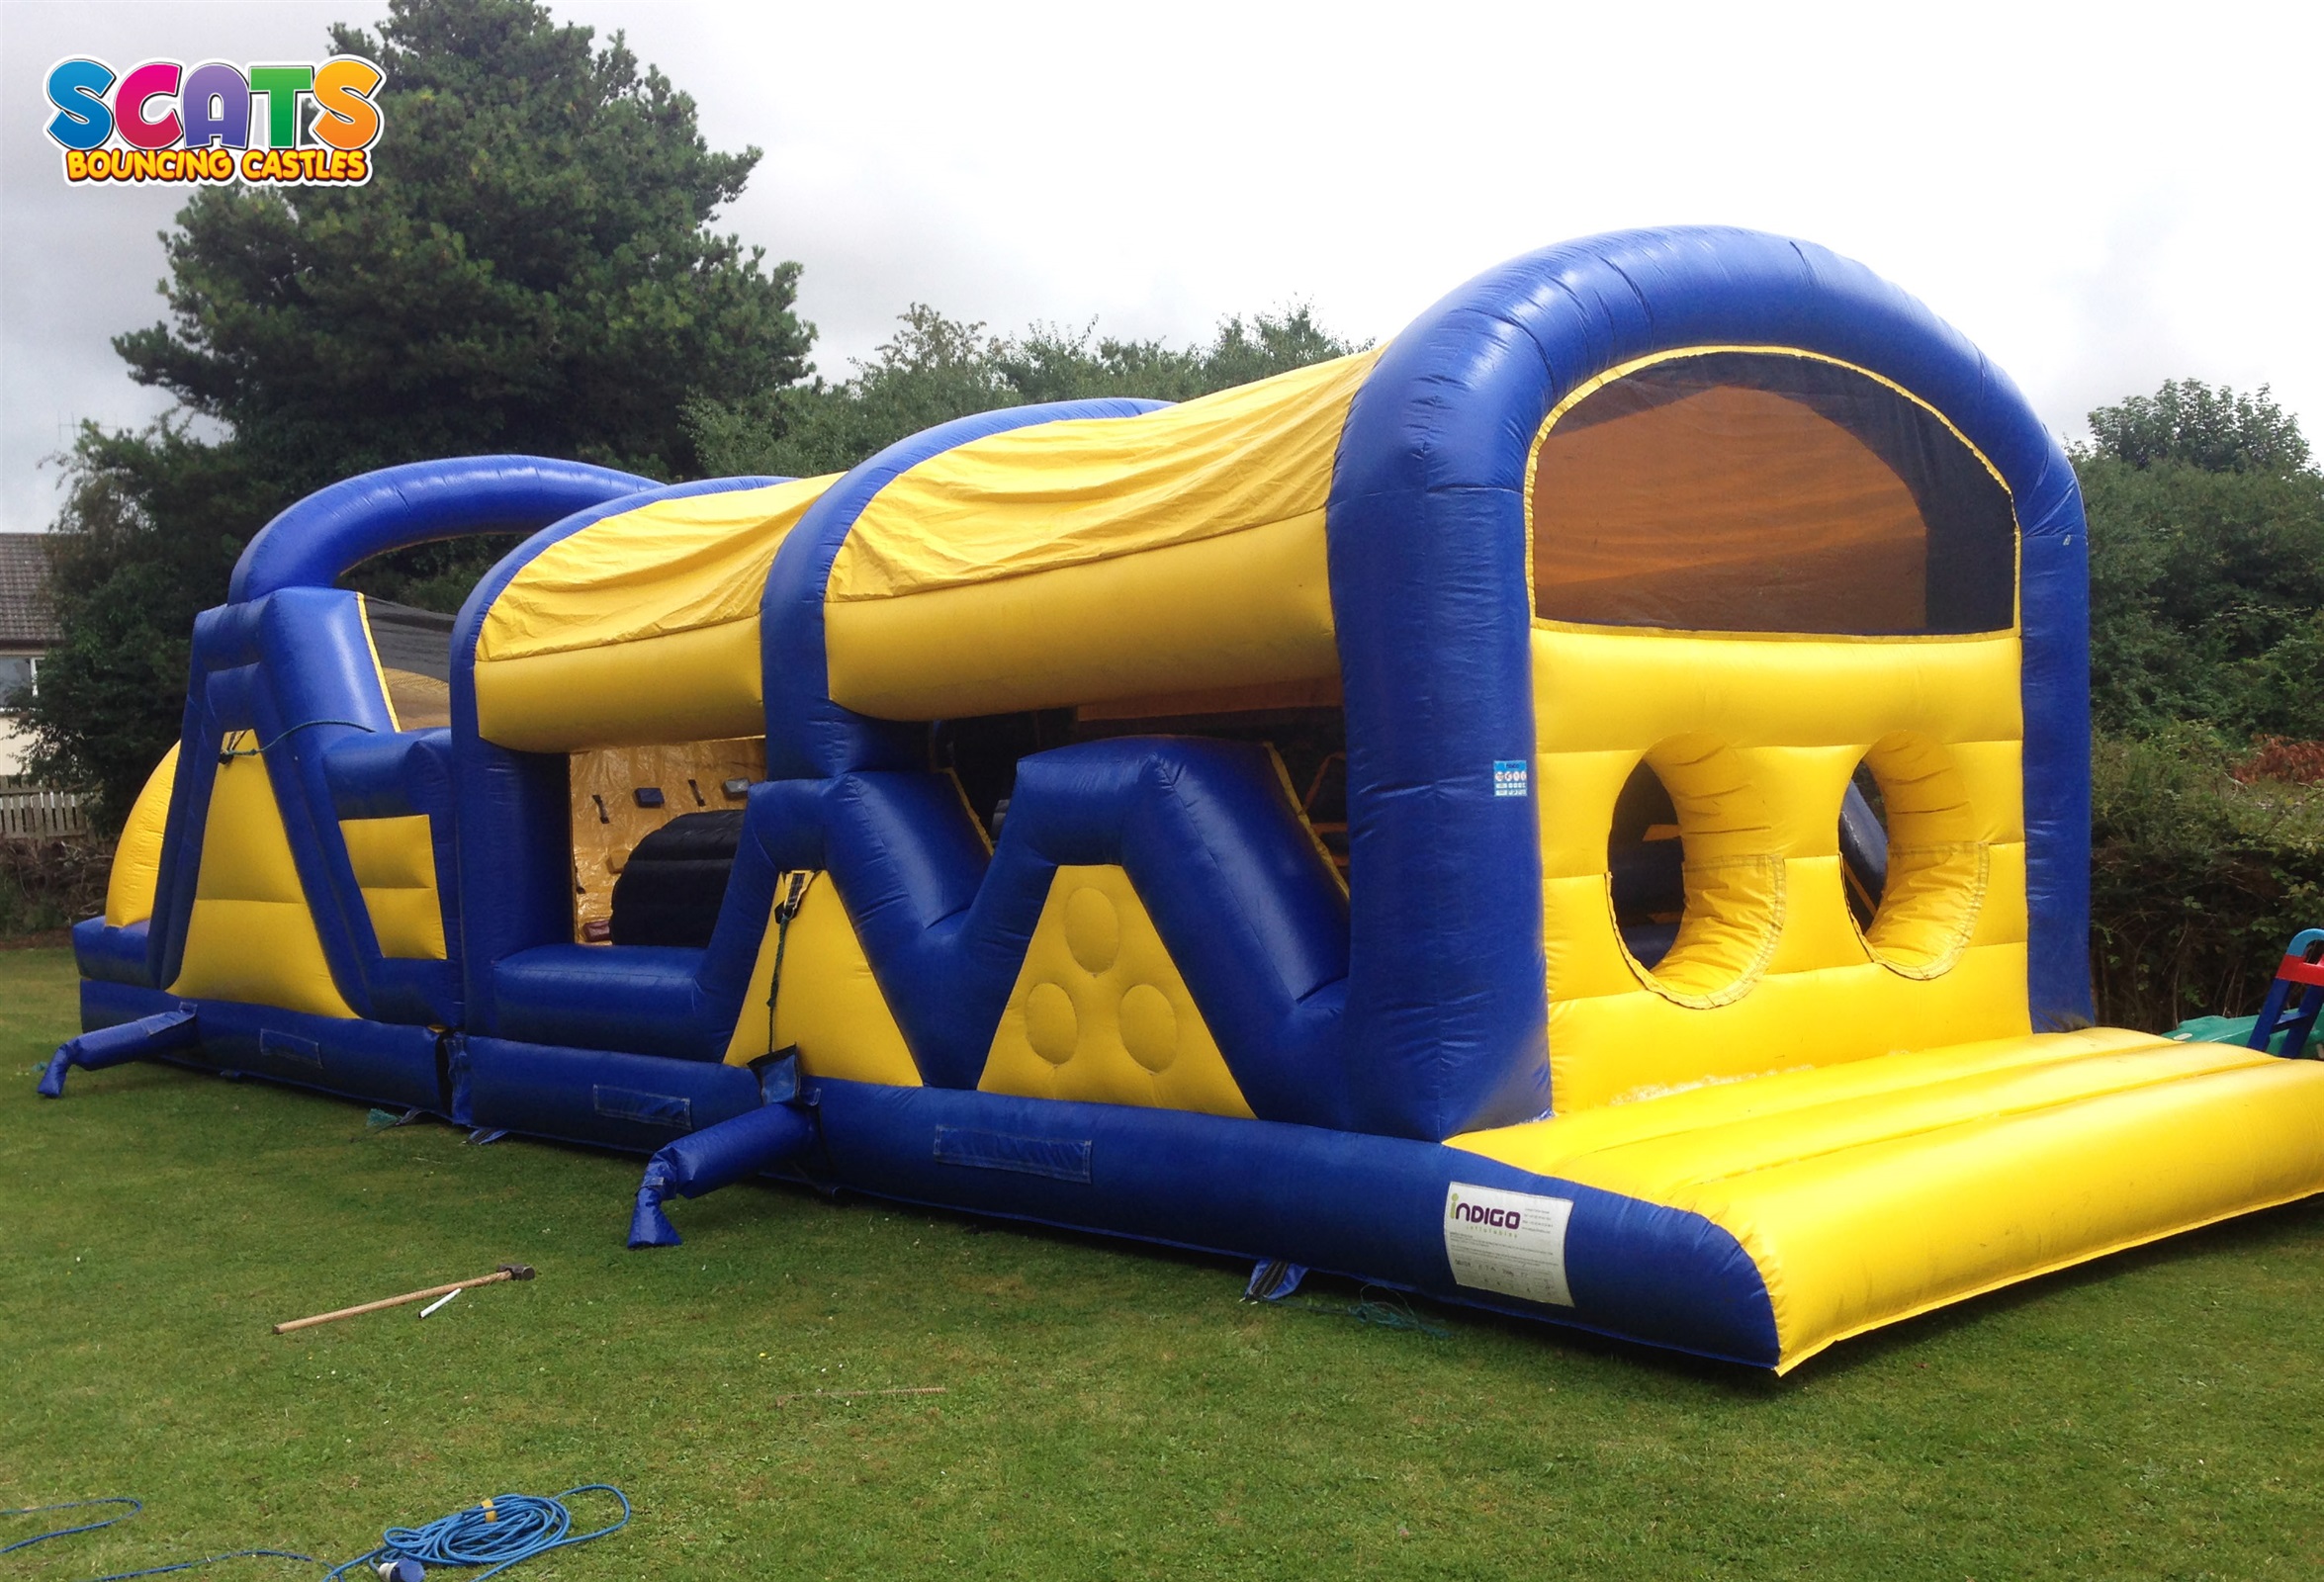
1926, 909
1645, 867
1863, 846
1731, 873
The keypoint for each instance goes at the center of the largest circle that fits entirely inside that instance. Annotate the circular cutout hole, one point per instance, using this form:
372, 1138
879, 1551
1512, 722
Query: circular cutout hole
1646, 866
1915, 871
1863, 844
1694, 873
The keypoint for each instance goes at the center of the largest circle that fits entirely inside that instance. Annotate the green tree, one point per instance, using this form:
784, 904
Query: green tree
2206, 594
2206, 540
2198, 425
935, 369
533, 267
150, 531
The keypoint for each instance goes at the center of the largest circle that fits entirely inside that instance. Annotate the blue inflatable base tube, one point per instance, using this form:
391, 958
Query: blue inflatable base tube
1364, 1206
588, 1095
1368, 1207
381, 1062
117, 955
715, 1157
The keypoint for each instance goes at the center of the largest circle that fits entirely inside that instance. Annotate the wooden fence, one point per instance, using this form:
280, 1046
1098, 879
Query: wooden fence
38, 812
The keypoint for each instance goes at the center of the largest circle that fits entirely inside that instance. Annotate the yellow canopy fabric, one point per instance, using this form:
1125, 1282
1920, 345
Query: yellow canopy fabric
675, 566
1086, 489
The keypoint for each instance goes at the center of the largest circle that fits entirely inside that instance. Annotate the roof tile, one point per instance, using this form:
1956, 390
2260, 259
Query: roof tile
25, 614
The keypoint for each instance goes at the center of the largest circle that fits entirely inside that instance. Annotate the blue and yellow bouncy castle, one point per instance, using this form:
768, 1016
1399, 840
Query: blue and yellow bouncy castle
1581, 811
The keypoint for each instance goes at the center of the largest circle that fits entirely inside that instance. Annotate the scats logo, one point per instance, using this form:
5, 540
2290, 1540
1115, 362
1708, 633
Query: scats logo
1480, 1214
163, 121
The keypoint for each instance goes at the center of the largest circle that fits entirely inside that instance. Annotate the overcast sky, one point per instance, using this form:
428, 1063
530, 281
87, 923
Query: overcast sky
2100, 196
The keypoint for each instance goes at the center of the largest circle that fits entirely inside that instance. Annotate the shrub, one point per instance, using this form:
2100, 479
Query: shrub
2197, 876
51, 883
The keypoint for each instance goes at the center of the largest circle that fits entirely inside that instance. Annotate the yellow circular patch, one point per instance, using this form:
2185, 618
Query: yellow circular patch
1051, 1025
1149, 1027
1093, 929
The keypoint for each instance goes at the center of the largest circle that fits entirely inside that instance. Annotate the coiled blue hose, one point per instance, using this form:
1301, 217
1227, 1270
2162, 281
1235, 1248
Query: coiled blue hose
498, 1532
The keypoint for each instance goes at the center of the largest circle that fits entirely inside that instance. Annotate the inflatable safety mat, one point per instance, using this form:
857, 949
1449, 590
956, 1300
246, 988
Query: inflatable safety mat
1869, 1192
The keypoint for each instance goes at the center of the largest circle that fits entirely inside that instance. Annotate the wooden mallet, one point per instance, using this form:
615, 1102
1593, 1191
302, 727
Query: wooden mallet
504, 1271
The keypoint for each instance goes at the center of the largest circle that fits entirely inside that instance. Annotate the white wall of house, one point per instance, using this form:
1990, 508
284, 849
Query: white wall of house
15, 746
15, 742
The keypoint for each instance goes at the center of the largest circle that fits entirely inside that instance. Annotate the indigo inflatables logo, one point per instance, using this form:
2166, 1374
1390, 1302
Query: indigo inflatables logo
1480, 1214
166, 122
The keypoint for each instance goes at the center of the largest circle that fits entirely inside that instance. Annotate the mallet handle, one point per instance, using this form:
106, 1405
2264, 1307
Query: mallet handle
391, 1301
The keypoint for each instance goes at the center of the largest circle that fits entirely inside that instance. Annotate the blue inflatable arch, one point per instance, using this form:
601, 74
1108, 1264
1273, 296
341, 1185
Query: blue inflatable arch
1428, 560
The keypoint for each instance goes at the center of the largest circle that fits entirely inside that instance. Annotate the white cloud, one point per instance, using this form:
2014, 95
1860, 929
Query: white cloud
2100, 196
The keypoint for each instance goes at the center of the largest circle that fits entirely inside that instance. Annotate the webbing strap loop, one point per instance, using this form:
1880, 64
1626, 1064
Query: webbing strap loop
785, 911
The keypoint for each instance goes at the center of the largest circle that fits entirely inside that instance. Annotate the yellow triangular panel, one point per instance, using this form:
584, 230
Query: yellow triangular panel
1100, 1014
251, 938
831, 1005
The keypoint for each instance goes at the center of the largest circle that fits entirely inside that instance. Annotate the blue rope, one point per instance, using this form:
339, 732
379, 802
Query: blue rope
134, 1506
500, 1531
188, 1565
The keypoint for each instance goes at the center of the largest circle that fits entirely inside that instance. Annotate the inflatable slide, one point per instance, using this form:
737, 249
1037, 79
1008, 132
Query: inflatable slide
1581, 811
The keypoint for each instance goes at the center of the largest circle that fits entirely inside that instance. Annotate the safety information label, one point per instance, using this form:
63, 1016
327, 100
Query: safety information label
1513, 1243
1508, 777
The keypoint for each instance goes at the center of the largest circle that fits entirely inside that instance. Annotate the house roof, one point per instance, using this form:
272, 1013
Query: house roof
24, 615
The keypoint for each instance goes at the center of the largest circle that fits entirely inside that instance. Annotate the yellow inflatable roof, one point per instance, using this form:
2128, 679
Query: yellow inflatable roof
675, 566
1086, 489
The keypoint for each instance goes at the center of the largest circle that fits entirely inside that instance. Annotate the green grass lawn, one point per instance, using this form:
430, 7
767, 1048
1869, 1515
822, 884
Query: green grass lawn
1109, 1411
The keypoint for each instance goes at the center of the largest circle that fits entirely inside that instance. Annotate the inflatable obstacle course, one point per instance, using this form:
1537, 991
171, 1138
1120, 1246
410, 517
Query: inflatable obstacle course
1581, 811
